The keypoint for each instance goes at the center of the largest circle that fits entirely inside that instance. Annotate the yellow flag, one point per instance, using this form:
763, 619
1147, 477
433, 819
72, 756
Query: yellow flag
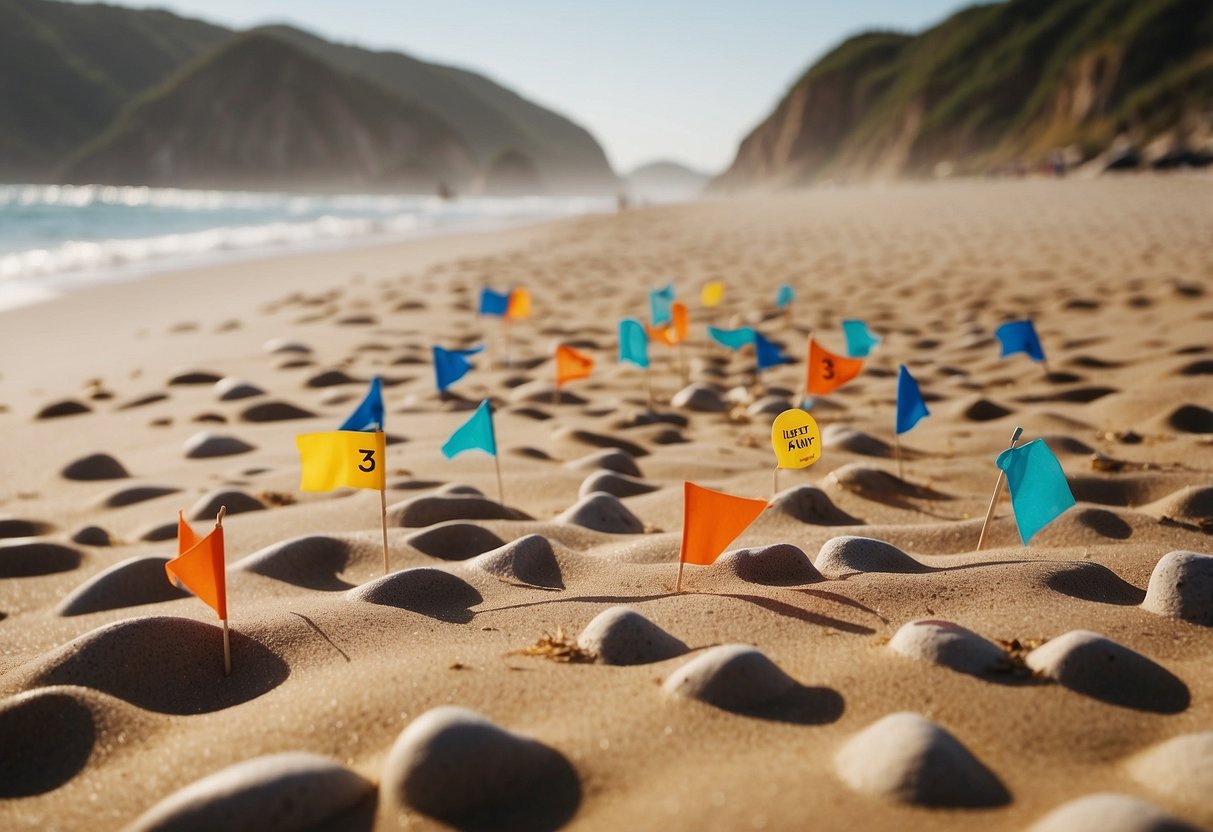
795, 439
342, 457
712, 293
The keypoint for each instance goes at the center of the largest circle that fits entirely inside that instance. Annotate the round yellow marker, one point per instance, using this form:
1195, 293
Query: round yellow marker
712, 293
796, 439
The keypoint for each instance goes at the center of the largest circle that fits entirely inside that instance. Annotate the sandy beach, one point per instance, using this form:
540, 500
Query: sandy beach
1048, 677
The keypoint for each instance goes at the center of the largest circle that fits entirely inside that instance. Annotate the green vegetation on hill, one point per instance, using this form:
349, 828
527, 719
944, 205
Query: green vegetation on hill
260, 113
991, 86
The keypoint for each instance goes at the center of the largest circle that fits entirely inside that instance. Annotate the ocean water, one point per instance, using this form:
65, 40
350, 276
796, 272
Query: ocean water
54, 238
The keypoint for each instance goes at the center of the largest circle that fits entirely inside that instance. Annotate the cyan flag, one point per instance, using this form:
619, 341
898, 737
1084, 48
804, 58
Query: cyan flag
494, 303
734, 339
860, 339
1019, 336
1039, 491
474, 434
369, 414
660, 305
910, 406
768, 354
784, 296
633, 342
452, 365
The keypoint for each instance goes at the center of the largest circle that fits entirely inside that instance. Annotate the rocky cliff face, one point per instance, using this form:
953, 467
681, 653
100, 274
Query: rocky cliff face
994, 87
262, 114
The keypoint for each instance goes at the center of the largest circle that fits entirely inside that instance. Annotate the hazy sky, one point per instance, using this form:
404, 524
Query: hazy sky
651, 79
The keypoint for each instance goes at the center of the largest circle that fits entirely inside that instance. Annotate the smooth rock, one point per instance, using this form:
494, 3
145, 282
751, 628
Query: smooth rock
1109, 812
1181, 586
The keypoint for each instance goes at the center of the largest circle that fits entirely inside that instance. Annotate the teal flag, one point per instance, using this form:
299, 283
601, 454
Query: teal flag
633, 342
784, 296
476, 434
734, 339
860, 339
1039, 491
661, 302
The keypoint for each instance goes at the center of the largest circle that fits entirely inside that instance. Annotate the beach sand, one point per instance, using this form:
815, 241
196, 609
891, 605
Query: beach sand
821, 715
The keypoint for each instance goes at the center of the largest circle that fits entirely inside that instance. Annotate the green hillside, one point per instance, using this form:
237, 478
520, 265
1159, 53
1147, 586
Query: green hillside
992, 86
259, 113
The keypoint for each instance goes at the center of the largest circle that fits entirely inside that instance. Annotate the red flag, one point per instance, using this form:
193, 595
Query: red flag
711, 520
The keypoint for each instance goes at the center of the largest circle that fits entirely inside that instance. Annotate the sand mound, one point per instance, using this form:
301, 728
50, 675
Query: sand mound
779, 564
26, 560
91, 536
274, 412
1115, 490
1192, 418
236, 502
233, 389
1203, 367
617, 485
453, 764
610, 460
1181, 586
280, 346
438, 508
164, 664
700, 398
158, 532
842, 438
907, 758
134, 494
1098, 667
602, 512
1180, 769
67, 407
622, 636
1109, 812
331, 378
735, 677
540, 392
845, 555
809, 504
95, 467
186, 377
424, 590
206, 444
1195, 503
287, 792
984, 410
1075, 395
873, 483
769, 406
19, 527
577, 438
1092, 582
454, 541
134, 581
1060, 443
46, 737
143, 401
313, 562
527, 560
948, 644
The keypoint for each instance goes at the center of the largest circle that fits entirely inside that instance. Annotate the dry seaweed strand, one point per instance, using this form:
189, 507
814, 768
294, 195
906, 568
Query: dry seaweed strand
557, 647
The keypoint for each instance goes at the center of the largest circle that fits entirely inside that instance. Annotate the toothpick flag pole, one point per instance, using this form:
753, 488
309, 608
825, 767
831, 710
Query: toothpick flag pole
981, 540
678, 586
383, 523
227, 645
500, 487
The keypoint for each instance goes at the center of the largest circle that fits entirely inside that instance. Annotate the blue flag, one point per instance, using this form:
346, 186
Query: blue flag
494, 303
784, 296
660, 303
910, 406
860, 339
1039, 491
768, 354
369, 414
633, 342
734, 339
1019, 336
474, 434
452, 365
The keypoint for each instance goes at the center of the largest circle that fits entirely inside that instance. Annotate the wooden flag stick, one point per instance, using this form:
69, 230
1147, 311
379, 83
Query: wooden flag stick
383, 523
500, 488
981, 540
678, 586
227, 644
775, 483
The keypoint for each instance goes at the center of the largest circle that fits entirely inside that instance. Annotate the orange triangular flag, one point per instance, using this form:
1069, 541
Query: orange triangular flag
711, 520
519, 306
676, 331
200, 567
571, 364
827, 371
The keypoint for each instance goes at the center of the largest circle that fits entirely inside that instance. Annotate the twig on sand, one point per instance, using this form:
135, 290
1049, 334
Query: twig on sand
557, 647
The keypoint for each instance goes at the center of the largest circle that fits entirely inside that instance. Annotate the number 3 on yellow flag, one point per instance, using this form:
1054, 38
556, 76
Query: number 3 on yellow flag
342, 457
